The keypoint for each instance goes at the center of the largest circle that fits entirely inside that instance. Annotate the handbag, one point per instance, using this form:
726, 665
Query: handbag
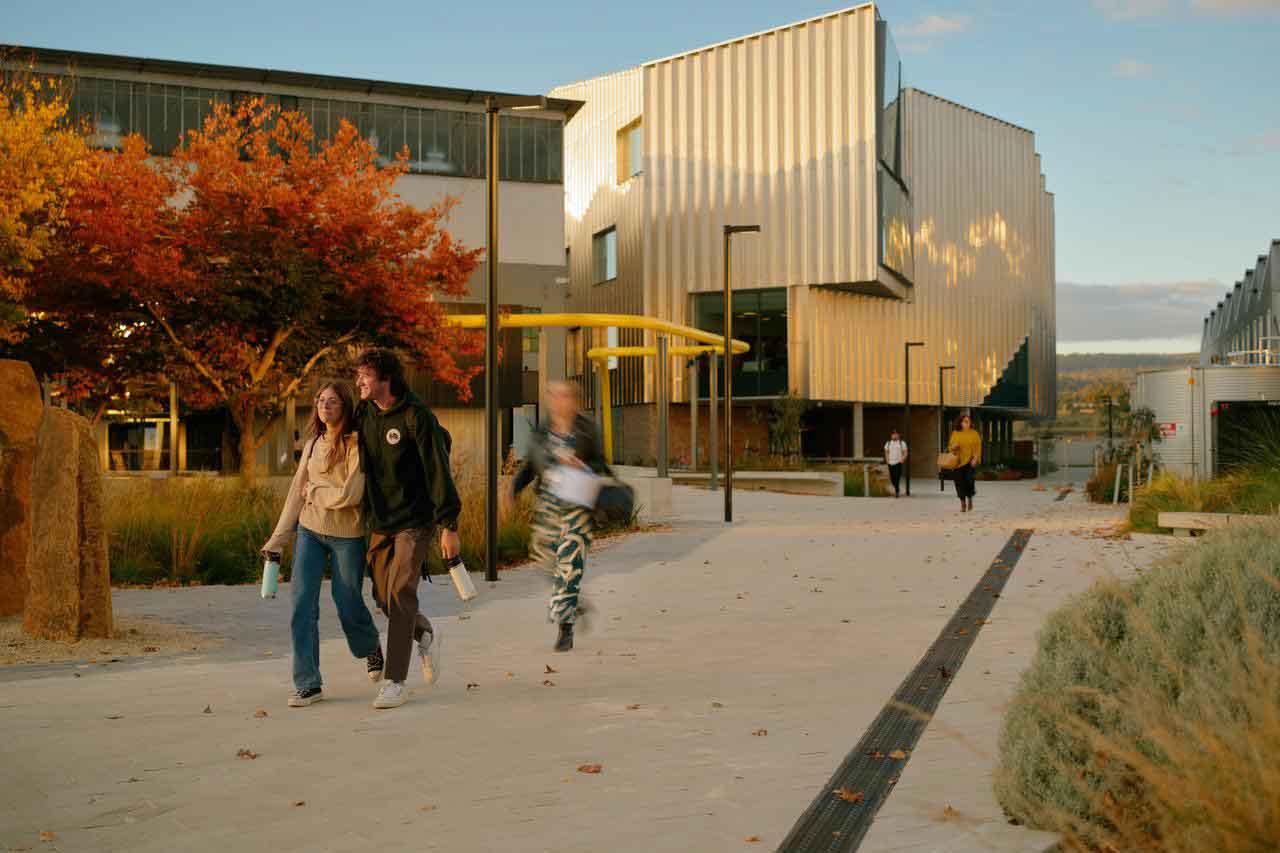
948, 461
615, 502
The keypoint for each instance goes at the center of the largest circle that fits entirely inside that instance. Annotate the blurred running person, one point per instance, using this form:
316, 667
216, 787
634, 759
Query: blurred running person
562, 530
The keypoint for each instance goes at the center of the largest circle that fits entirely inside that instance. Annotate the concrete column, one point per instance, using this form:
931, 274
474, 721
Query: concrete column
544, 367
693, 414
859, 431
663, 378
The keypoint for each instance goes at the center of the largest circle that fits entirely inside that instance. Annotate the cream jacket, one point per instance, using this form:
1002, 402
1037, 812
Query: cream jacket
324, 500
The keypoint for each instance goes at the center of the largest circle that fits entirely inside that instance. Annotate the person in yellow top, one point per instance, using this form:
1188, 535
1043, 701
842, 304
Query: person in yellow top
325, 510
966, 444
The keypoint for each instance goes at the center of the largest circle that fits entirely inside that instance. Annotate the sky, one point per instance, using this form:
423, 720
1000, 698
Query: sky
1156, 119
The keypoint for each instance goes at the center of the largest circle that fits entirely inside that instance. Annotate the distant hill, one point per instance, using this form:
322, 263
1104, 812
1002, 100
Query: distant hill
1084, 369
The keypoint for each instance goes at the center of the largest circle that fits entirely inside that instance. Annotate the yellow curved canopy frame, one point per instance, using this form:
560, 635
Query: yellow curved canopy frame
707, 342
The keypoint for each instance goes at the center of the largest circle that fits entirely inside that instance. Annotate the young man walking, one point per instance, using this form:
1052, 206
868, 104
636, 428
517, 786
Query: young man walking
409, 494
895, 453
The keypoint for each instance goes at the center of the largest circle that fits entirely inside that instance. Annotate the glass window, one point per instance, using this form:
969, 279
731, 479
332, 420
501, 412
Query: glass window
604, 256
630, 151
759, 319
895, 226
890, 100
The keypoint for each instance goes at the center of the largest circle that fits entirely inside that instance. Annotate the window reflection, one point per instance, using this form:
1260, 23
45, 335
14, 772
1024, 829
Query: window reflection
446, 142
759, 319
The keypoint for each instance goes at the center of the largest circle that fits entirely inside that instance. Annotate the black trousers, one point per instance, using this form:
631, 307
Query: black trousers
895, 476
965, 482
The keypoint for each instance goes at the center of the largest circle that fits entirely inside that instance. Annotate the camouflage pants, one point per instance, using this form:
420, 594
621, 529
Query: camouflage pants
561, 537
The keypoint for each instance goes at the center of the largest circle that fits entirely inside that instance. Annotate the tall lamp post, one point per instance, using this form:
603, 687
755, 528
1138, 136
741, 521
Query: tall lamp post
493, 104
729, 231
942, 419
906, 415
1108, 401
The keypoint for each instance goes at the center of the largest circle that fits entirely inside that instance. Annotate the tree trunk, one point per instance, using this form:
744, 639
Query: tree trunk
244, 415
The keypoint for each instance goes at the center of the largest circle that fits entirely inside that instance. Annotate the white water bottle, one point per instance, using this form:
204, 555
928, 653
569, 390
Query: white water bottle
461, 578
271, 575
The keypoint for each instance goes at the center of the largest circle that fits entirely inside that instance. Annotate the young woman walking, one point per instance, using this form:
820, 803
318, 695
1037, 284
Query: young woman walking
966, 444
562, 530
324, 509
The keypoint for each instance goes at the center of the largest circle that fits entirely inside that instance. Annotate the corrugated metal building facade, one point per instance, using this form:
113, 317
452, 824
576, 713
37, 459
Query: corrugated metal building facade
1244, 328
887, 215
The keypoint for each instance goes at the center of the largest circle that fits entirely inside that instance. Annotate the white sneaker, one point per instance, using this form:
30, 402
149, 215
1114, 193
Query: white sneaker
429, 651
392, 695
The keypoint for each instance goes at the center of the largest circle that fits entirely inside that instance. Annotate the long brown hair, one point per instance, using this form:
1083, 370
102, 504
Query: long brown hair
960, 422
338, 451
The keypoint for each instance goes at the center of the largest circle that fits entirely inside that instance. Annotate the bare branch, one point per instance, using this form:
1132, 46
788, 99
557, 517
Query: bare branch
269, 357
187, 354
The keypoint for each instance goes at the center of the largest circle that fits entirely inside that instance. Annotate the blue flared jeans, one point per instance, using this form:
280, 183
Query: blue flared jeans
346, 558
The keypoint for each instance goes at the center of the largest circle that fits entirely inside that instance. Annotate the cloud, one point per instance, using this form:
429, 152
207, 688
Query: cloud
1134, 311
1131, 69
1236, 7
936, 25
1129, 9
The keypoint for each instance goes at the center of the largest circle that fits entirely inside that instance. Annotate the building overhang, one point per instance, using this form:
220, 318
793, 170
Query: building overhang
887, 285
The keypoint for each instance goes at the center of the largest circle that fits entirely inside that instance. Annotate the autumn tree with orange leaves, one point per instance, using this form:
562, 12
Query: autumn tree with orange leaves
255, 257
41, 158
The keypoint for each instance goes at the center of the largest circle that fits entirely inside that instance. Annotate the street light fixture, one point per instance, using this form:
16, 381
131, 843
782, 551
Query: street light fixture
942, 419
493, 104
729, 231
906, 424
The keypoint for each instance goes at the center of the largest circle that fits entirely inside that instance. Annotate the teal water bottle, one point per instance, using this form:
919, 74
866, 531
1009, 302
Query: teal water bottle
271, 575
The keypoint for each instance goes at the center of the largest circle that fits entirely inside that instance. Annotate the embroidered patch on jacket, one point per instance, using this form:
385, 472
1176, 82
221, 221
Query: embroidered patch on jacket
393, 436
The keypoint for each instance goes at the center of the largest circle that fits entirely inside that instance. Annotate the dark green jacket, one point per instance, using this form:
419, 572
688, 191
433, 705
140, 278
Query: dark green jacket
405, 453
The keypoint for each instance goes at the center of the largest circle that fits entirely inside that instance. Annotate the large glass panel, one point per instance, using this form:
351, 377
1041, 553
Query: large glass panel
895, 227
890, 101
759, 319
388, 132
635, 149
772, 343
529, 149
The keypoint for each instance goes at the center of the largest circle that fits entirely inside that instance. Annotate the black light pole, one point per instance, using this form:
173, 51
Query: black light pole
906, 417
942, 419
492, 105
729, 231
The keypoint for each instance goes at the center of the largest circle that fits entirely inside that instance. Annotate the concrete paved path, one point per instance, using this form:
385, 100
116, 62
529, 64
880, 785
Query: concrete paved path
726, 674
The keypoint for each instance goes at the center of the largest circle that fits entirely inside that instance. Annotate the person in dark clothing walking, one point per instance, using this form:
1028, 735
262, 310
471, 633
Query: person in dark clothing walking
562, 528
409, 494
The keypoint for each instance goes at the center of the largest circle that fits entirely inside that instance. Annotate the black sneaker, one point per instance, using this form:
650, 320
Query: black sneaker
303, 698
565, 641
376, 664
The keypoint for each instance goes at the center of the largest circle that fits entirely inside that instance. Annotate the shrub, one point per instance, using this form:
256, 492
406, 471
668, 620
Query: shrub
853, 481
186, 530
1250, 491
1101, 487
1150, 716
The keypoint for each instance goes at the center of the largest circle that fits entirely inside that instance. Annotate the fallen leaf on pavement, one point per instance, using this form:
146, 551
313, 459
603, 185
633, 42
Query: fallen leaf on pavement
950, 812
898, 755
761, 732
717, 705
113, 716
297, 803
427, 808
944, 673
48, 836
150, 648
247, 753
874, 755
752, 839
208, 709
267, 653
962, 632
633, 707
472, 685
849, 796
984, 621
260, 713
549, 669
547, 682
590, 768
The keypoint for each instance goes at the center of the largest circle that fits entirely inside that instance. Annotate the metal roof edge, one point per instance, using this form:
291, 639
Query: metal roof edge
970, 109
264, 76
781, 27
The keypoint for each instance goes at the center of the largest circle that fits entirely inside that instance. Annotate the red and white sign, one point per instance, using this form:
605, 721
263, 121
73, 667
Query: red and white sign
1170, 429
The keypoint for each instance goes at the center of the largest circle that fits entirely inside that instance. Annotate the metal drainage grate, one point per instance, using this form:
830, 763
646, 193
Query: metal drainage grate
837, 823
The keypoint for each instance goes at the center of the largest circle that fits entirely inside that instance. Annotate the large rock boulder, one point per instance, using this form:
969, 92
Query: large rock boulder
69, 580
20, 418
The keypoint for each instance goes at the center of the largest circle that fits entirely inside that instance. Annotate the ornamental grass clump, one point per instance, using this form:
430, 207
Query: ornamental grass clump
1150, 716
